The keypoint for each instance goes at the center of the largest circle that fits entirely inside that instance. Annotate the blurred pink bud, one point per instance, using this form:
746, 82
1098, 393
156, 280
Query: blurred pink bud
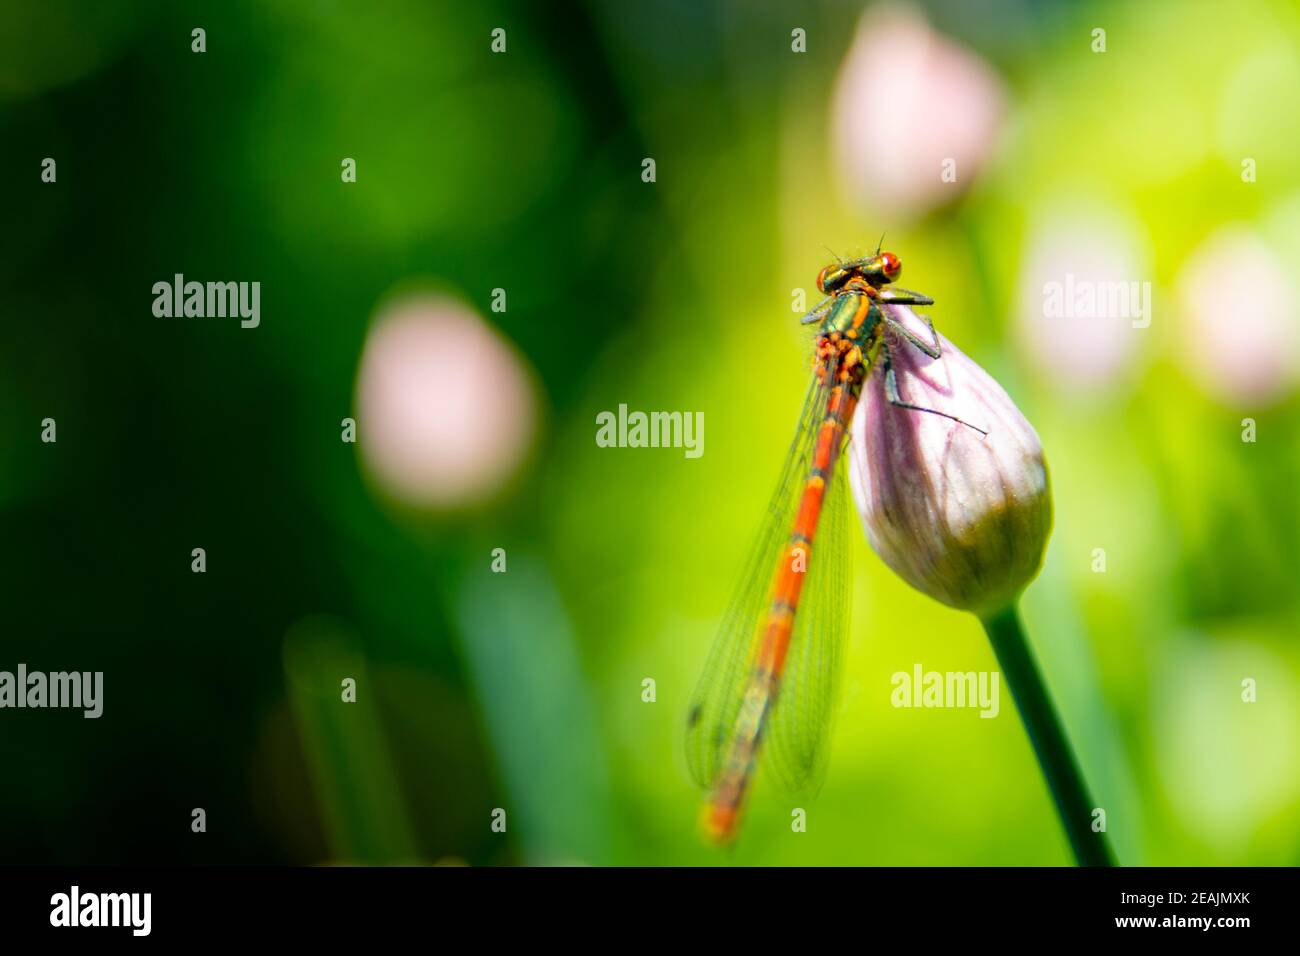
1240, 337
1085, 304
445, 406
914, 115
962, 517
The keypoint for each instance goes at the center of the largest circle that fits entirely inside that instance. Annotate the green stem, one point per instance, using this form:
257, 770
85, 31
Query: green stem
1055, 756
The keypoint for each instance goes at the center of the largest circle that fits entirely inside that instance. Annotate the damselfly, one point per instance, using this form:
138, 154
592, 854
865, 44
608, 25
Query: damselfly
772, 672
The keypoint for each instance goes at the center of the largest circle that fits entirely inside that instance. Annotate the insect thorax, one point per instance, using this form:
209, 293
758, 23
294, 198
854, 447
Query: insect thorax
854, 314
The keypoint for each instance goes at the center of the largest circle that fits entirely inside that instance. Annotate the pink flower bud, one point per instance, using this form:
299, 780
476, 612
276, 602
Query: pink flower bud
942, 104
961, 516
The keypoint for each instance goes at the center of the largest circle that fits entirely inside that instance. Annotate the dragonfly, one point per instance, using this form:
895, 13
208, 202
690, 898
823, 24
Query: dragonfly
771, 676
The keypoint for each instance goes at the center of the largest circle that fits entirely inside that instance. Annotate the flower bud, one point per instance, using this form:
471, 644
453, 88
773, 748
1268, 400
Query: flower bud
961, 516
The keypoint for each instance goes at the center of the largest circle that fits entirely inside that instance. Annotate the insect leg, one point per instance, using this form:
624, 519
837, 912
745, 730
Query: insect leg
819, 310
893, 295
891, 392
932, 350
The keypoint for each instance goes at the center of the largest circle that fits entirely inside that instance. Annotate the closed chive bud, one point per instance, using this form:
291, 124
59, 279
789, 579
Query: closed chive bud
961, 516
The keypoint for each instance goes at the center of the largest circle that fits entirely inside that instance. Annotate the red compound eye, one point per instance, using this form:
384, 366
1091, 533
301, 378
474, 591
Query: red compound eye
890, 264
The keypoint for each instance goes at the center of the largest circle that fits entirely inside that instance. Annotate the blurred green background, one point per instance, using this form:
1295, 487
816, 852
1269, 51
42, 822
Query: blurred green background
522, 171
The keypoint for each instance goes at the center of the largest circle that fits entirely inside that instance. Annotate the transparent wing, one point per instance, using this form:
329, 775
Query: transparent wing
797, 742
711, 718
